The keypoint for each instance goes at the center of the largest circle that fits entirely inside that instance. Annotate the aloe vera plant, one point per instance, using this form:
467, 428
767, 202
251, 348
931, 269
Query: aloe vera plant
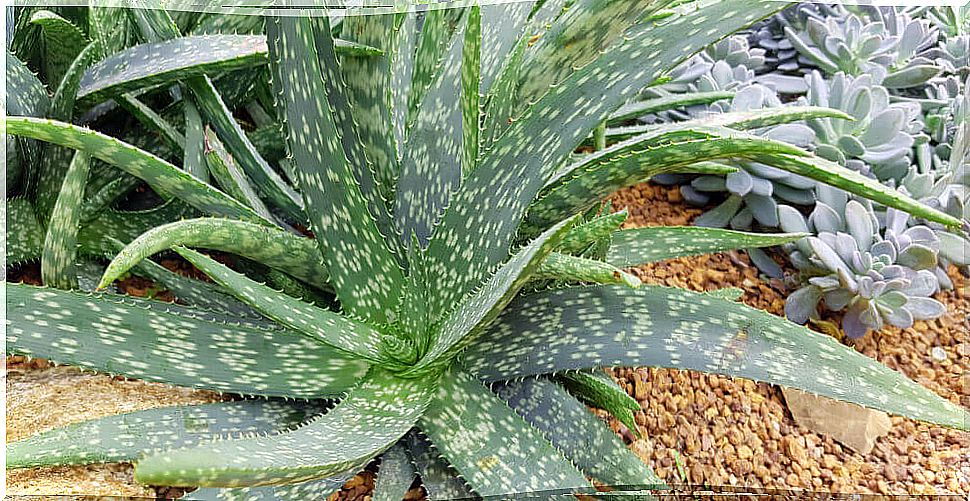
426, 270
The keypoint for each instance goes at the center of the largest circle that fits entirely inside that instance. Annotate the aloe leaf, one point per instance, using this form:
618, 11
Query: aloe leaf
668, 327
173, 344
62, 43
509, 456
637, 109
322, 488
437, 29
596, 389
635, 247
356, 430
111, 29
395, 475
849, 180
581, 436
593, 177
193, 155
502, 27
431, 168
338, 211
126, 437
60, 244
322, 325
402, 71
568, 268
482, 220
460, 326
152, 120
368, 87
229, 176
471, 74
165, 62
25, 96
24, 240
586, 234
439, 479
125, 226
161, 175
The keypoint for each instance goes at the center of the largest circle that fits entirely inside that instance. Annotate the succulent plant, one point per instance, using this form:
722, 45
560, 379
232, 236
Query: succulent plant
886, 44
407, 309
876, 277
769, 35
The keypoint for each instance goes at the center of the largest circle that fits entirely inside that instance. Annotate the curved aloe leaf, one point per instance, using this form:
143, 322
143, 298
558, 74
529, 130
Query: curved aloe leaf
60, 244
475, 233
153, 122
337, 208
597, 389
578, 269
667, 327
127, 437
375, 414
592, 178
229, 176
62, 43
165, 62
161, 175
509, 456
125, 226
638, 246
582, 236
580, 435
395, 474
172, 344
637, 109
24, 240
25, 96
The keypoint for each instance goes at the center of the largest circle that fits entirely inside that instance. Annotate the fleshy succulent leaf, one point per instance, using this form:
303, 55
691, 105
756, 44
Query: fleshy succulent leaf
57, 266
638, 246
375, 414
229, 176
439, 479
173, 344
395, 474
24, 240
62, 43
637, 109
597, 389
312, 489
579, 269
666, 327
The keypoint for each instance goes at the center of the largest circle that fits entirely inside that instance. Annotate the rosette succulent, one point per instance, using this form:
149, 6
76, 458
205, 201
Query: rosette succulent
876, 277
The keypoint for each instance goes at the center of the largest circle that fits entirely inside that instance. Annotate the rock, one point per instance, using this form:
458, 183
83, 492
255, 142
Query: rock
854, 426
744, 452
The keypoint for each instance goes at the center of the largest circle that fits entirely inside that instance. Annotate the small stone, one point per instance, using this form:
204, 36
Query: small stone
938, 354
792, 480
744, 452
883, 487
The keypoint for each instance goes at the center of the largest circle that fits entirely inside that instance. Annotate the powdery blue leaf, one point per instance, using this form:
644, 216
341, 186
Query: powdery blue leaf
126, 437
173, 344
638, 246
321, 325
496, 451
580, 435
664, 327
375, 414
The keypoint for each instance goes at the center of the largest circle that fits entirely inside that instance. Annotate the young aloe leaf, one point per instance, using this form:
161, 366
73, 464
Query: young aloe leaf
127, 437
161, 175
582, 236
668, 327
62, 43
125, 226
60, 244
849, 180
439, 479
471, 75
482, 220
578, 269
462, 324
580, 185
321, 325
637, 109
596, 389
580, 435
111, 29
437, 30
638, 246
509, 456
338, 211
173, 344
431, 168
229, 176
168, 61
395, 474
357, 429
323, 488
193, 155
24, 240
153, 121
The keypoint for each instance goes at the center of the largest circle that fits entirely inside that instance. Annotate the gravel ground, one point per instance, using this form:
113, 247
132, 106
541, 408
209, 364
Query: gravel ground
698, 429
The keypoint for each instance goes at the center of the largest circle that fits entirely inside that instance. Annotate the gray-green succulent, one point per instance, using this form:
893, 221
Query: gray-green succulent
438, 178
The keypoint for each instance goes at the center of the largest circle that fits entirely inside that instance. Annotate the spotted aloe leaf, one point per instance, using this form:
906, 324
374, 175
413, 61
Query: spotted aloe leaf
667, 327
24, 240
482, 220
172, 344
582, 184
111, 29
564, 267
312, 489
395, 474
193, 155
229, 176
127, 437
431, 48
439, 479
62, 104
638, 109
356, 430
509, 456
320, 325
161, 175
597, 389
503, 25
638, 246
584, 235
165, 62
580, 435
60, 244
125, 226
338, 210
25, 96
62, 42
154, 122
